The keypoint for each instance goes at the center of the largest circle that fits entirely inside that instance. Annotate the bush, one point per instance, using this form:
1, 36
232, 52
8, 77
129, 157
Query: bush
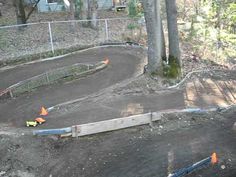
132, 6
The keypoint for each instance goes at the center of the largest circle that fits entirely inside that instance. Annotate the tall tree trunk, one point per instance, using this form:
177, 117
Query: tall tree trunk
87, 10
20, 11
174, 51
0, 9
163, 49
84, 9
78, 9
21, 16
72, 16
72, 9
94, 14
153, 25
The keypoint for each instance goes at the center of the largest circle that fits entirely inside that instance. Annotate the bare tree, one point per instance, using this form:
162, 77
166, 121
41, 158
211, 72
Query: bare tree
21, 16
94, 13
72, 9
0, 9
153, 25
84, 9
163, 49
20, 11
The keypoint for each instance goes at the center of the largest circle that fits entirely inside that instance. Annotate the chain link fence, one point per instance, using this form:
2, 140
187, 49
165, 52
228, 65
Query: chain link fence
40, 40
21, 43
69, 72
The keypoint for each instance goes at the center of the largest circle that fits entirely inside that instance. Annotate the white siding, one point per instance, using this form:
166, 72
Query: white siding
105, 4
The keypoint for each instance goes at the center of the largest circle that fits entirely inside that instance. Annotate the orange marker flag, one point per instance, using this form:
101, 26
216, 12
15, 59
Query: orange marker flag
43, 111
214, 158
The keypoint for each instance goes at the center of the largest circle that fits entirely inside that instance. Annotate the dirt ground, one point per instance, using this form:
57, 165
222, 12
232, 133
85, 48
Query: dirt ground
175, 142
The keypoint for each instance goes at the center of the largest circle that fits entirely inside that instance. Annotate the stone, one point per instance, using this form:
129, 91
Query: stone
222, 167
2, 173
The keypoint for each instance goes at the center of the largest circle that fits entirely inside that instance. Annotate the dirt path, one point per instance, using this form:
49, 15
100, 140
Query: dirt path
202, 92
135, 152
124, 64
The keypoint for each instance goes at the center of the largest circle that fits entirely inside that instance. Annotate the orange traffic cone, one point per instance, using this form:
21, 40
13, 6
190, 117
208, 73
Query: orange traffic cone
214, 158
43, 111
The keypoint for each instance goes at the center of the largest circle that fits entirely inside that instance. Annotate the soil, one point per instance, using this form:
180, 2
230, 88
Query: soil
173, 143
178, 140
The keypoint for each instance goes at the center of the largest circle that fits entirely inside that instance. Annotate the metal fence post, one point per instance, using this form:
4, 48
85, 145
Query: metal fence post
11, 94
106, 28
50, 34
47, 78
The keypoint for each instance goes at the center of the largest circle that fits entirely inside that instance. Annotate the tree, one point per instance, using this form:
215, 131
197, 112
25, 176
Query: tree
87, 10
163, 49
153, 25
0, 9
174, 50
78, 9
92, 13
21, 17
20, 11
72, 9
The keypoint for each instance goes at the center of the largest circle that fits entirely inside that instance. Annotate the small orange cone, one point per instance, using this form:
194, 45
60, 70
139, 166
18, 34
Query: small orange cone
40, 120
214, 158
106, 61
43, 111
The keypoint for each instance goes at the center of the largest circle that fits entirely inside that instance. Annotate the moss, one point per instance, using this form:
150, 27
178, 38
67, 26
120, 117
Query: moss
173, 69
157, 73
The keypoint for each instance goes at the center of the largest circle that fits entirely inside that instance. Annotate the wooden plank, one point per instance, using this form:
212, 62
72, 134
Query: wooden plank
114, 124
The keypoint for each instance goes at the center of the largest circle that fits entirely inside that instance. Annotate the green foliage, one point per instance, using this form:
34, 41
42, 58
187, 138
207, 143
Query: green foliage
210, 28
132, 6
132, 26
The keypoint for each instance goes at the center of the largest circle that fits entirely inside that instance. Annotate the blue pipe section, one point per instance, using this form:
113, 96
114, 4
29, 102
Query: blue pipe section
189, 169
199, 110
52, 131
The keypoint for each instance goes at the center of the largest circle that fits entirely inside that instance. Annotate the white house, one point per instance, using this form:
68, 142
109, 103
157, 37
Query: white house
60, 5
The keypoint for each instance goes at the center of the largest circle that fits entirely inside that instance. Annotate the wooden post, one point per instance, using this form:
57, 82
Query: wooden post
75, 131
151, 123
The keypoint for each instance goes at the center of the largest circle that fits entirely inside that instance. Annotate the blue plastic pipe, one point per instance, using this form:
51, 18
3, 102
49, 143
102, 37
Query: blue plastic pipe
199, 110
189, 169
52, 131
